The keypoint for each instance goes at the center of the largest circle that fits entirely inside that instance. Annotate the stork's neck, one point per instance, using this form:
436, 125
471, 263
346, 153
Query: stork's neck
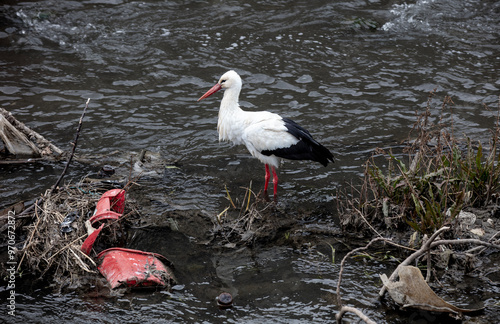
229, 105
230, 98
230, 115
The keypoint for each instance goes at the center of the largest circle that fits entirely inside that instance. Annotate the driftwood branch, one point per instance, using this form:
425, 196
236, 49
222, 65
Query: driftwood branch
356, 311
30, 133
54, 188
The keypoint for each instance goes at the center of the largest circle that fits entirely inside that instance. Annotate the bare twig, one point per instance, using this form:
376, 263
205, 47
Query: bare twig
356, 311
481, 248
339, 299
67, 246
366, 221
465, 241
80, 262
54, 188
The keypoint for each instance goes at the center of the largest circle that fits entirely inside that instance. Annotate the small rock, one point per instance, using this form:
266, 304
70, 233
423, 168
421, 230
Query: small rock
477, 231
225, 300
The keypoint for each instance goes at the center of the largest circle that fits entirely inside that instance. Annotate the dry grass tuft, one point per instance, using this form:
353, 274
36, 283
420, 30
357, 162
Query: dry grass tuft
252, 219
426, 185
55, 256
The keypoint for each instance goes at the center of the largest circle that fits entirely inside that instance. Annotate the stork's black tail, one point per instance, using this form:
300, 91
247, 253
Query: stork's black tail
307, 148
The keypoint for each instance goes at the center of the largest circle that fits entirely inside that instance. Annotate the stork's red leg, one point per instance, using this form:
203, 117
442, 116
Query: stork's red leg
275, 182
268, 176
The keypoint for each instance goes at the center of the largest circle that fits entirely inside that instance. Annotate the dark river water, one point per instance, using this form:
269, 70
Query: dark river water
352, 72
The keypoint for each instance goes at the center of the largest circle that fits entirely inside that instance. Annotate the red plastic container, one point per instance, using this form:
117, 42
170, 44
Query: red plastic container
110, 206
89, 241
133, 268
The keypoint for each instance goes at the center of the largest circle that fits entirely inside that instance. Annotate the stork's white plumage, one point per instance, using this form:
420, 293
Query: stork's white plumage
267, 136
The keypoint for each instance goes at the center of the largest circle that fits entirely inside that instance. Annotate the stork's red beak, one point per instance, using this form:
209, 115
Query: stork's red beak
210, 92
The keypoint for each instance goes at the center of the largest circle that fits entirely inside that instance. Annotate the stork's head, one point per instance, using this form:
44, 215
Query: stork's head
229, 80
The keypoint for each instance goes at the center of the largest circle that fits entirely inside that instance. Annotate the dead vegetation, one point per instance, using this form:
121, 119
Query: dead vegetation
440, 196
53, 254
252, 219
437, 176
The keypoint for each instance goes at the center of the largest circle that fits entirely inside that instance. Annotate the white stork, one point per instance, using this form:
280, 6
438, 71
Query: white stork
267, 136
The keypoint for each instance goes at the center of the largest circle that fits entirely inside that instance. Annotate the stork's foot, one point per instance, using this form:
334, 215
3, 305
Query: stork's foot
265, 196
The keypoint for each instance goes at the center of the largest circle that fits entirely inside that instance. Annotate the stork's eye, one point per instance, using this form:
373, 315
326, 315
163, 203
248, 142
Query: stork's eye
222, 81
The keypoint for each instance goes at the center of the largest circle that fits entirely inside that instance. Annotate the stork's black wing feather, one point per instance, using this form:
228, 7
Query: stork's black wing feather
307, 148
